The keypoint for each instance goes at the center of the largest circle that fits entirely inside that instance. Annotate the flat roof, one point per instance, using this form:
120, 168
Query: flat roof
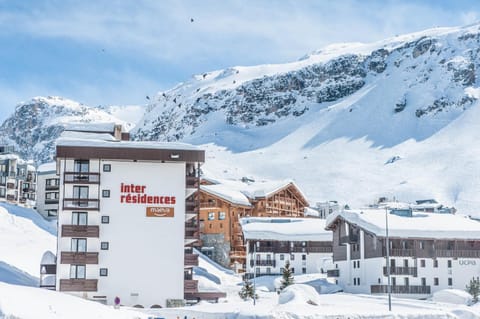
420, 225
134, 150
285, 229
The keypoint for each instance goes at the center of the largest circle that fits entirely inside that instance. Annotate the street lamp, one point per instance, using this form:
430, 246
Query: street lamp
389, 287
254, 271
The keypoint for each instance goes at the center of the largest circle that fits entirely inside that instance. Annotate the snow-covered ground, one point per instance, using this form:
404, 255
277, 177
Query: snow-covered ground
24, 237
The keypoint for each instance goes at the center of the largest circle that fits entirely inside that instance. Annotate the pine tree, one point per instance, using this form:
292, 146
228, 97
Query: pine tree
473, 288
287, 276
247, 290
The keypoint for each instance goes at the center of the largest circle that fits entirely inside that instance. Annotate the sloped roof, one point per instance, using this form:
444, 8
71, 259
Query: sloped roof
230, 195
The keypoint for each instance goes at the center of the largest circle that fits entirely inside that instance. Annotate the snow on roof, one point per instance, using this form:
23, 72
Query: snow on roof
232, 196
107, 127
9, 156
124, 144
291, 229
47, 167
48, 258
87, 135
420, 225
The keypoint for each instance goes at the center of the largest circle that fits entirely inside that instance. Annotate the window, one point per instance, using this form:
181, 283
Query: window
422, 245
449, 263
405, 263
81, 166
293, 270
269, 270
257, 270
221, 225
105, 219
221, 215
304, 270
354, 264
435, 281
282, 256
450, 281
79, 245
106, 193
406, 281
394, 281
358, 263
422, 263
80, 192
52, 182
52, 212
211, 216
103, 272
292, 257
304, 257
282, 270
107, 167
210, 226
104, 245
435, 263
77, 271
424, 281
355, 281
80, 218
51, 195
358, 281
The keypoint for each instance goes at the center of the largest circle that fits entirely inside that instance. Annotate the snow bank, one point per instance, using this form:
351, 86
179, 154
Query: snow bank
299, 294
455, 296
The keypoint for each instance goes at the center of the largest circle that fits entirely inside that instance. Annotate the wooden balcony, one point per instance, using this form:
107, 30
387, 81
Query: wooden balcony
67, 257
81, 178
191, 181
399, 271
80, 231
205, 295
78, 284
263, 262
11, 185
190, 286
350, 239
383, 289
191, 260
434, 253
333, 273
81, 203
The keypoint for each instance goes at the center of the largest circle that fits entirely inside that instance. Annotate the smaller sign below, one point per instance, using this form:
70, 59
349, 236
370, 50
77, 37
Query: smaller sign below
160, 211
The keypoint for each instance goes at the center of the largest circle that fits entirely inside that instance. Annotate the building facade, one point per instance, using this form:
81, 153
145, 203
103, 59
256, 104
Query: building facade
128, 219
271, 242
18, 178
427, 251
48, 190
224, 203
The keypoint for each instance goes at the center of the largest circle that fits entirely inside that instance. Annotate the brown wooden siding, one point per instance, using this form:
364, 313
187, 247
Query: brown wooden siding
373, 246
190, 286
67, 257
78, 284
80, 231
191, 260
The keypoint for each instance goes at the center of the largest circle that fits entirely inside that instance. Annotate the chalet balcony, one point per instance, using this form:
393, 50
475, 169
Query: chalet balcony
92, 231
190, 286
191, 182
350, 239
67, 257
81, 178
78, 284
191, 226
81, 203
383, 289
204, 295
263, 262
434, 253
191, 260
11, 185
333, 273
456, 253
401, 271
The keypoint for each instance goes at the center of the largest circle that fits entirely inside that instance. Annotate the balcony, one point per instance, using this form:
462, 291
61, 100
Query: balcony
52, 187
401, 271
190, 286
78, 284
191, 182
80, 231
11, 185
333, 273
263, 262
191, 260
383, 289
350, 239
67, 257
50, 201
457, 253
81, 178
81, 203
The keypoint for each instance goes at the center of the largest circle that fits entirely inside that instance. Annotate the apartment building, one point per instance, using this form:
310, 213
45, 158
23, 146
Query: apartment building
48, 190
128, 219
224, 202
427, 251
271, 242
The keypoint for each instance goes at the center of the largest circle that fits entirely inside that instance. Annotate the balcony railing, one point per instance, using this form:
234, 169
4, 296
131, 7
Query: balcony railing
383, 289
333, 273
67, 257
191, 260
49, 201
78, 284
80, 231
52, 187
11, 185
81, 178
191, 181
190, 286
406, 271
434, 253
82, 203
263, 262
350, 239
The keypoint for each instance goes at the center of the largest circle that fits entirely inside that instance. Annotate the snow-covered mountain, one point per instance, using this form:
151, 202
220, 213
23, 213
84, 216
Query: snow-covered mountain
36, 124
349, 122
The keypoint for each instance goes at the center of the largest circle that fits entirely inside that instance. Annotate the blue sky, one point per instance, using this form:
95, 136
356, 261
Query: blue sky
117, 52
